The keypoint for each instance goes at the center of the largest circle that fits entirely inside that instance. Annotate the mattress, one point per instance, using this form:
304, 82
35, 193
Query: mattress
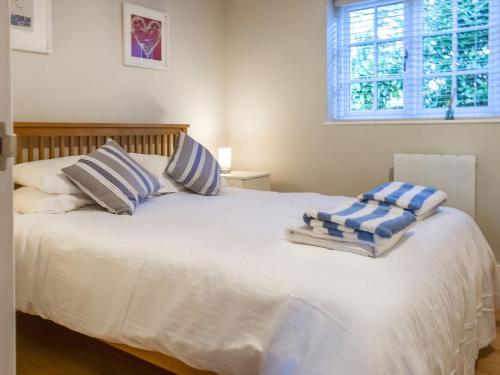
213, 282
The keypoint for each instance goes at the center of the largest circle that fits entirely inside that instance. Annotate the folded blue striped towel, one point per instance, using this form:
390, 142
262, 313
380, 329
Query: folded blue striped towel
384, 221
420, 200
315, 223
352, 235
422, 216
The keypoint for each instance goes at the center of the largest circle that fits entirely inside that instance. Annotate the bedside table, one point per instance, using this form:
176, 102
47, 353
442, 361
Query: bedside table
249, 180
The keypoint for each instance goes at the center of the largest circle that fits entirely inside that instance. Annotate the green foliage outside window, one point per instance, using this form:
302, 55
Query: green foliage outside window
443, 74
472, 90
362, 61
376, 59
390, 94
362, 96
438, 53
391, 59
473, 12
438, 15
436, 92
472, 50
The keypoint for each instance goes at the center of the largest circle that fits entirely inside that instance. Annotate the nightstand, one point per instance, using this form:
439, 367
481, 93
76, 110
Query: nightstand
249, 180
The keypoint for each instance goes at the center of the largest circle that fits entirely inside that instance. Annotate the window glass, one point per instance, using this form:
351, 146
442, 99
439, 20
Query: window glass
420, 58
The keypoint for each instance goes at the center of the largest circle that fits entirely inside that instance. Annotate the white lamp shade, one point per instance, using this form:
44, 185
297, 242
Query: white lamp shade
225, 159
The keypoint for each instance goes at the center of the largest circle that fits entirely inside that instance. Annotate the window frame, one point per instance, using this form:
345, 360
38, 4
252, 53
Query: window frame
339, 85
345, 63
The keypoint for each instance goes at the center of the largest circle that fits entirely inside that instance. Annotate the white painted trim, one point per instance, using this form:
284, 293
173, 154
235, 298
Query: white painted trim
440, 122
7, 277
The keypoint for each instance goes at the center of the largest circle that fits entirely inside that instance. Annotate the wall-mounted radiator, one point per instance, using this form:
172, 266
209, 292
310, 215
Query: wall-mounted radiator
454, 174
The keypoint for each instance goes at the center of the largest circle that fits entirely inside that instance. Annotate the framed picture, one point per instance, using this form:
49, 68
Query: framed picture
145, 37
30, 22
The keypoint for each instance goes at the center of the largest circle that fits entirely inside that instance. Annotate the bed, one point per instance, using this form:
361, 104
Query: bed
210, 285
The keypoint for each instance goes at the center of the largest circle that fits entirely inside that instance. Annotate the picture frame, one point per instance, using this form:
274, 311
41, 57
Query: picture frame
31, 25
145, 37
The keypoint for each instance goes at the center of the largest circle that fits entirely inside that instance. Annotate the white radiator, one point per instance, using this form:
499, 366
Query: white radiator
454, 174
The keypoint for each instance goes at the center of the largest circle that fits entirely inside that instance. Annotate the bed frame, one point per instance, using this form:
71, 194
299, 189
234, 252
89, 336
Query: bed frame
39, 141
48, 140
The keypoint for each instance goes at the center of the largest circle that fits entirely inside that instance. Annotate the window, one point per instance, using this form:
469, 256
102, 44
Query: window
415, 59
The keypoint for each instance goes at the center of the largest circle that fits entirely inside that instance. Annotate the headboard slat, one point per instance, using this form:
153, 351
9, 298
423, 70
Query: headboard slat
41, 148
52, 148
30, 148
19, 150
62, 147
68, 139
170, 140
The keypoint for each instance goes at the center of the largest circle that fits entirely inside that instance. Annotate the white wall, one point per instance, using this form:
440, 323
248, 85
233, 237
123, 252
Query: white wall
276, 106
84, 78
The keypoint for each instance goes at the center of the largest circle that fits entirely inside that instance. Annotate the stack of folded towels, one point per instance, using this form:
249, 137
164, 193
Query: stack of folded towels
372, 224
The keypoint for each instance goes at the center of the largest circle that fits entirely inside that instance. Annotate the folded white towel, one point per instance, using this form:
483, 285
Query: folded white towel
349, 242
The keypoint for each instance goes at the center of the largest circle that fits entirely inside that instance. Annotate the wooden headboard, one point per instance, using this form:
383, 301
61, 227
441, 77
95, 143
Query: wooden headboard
48, 140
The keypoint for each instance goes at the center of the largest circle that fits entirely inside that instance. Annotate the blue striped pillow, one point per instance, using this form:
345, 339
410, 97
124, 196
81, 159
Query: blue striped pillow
113, 179
194, 167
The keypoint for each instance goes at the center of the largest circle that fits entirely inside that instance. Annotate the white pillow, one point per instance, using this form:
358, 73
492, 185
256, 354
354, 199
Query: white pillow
46, 175
156, 164
28, 200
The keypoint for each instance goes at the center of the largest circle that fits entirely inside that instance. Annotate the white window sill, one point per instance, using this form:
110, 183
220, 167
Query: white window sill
472, 121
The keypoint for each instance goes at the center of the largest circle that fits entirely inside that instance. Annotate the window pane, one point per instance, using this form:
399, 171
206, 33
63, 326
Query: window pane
362, 25
390, 94
362, 96
438, 15
390, 21
472, 90
362, 61
438, 53
436, 92
391, 57
473, 50
473, 13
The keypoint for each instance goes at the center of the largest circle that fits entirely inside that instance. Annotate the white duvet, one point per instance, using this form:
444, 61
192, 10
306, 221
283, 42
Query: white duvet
212, 281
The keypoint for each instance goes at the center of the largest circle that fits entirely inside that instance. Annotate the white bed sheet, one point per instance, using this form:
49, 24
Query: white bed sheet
212, 281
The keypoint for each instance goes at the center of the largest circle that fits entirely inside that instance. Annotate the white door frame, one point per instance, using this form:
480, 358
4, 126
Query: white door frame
7, 306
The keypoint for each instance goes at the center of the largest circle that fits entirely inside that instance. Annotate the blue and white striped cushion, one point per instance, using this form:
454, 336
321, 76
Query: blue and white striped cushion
194, 167
113, 179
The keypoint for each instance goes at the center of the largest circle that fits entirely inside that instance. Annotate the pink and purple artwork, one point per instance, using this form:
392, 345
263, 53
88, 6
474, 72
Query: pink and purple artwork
146, 38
